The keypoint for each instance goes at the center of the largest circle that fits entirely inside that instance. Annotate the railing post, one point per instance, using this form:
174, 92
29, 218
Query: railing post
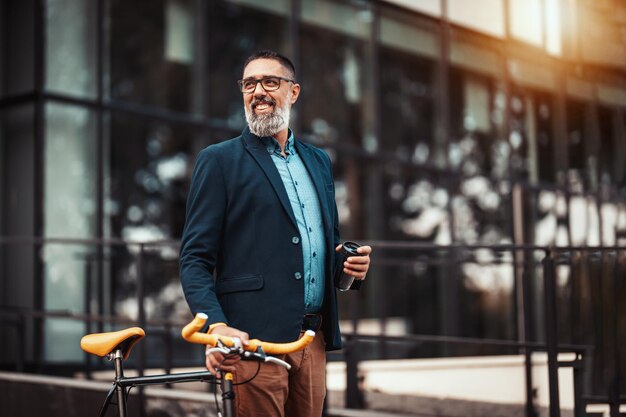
615, 384
87, 310
578, 370
527, 331
21, 332
354, 398
141, 313
550, 313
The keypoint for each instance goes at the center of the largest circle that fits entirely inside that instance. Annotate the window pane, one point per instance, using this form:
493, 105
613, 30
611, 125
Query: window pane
482, 15
481, 210
608, 158
229, 49
154, 58
70, 177
69, 211
17, 47
149, 166
17, 180
71, 47
415, 205
335, 104
578, 148
477, 122
334, 89
407, 105
544, 119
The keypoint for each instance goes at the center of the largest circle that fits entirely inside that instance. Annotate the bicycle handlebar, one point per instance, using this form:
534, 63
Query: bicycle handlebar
191, 333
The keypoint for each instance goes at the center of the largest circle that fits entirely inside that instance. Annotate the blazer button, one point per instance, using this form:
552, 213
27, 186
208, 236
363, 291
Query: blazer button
297, 275
295, 240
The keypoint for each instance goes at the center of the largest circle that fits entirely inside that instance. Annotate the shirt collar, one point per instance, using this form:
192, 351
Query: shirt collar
272, 145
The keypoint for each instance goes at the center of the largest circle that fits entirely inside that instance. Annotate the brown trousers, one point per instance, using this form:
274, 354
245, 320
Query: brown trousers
277, 392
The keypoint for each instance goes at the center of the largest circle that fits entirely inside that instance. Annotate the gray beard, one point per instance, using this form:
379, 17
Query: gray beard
264, 125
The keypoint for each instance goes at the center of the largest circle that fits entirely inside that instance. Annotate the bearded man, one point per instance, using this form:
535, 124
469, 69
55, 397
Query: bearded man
259, 243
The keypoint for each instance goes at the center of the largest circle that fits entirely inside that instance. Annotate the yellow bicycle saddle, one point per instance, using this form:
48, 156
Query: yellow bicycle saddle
102, 344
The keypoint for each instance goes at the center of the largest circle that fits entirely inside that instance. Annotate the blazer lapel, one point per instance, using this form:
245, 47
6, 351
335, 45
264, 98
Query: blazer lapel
264, 160
314, 167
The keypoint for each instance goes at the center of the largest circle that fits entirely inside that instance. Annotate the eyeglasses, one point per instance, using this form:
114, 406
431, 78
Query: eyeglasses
268, 83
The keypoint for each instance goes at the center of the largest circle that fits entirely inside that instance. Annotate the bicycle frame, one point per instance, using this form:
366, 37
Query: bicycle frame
122, 384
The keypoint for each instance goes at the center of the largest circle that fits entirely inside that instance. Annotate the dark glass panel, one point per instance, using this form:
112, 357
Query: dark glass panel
476, 119
608, 157
71, 47
229, 48
577, 137
17, 218
154, 57
544, 120
519, 134
407, 105
17, 46
150, 167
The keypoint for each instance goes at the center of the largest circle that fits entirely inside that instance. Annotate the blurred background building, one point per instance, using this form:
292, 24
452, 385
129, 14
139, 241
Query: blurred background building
449, 122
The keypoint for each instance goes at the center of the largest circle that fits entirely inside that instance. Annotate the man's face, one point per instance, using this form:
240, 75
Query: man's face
267, 112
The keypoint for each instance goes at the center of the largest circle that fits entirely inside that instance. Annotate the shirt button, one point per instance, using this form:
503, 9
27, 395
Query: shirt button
297, 275
302, 205
310, 230
312, 279
295, 240
314, 254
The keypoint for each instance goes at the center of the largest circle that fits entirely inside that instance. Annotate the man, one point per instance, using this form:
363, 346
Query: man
258, 248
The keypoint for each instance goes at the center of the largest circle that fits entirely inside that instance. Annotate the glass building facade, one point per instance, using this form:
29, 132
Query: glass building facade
495, 122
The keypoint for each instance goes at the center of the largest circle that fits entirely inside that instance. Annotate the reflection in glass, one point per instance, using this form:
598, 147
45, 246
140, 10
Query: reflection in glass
149, 170
334, 89
481, 210
154, 59
69, 211
17, 215
150, 165
407, 105
476, 118
577, 178
543, 120
415, 205
71, 47
608, 154
229, 49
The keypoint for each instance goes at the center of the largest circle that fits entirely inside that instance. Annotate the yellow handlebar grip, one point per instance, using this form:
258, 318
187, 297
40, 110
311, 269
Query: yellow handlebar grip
281, 348
191, 333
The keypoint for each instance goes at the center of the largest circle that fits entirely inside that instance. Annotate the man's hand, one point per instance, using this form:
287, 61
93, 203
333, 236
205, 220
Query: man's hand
357, 266
215, 360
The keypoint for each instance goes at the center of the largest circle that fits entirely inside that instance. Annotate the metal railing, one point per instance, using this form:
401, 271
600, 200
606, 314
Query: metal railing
597, 366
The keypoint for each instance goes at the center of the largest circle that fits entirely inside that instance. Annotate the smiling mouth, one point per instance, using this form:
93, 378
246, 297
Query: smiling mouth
262, 106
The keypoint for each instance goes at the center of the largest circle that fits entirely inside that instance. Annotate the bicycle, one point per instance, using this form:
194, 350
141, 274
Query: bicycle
116, 346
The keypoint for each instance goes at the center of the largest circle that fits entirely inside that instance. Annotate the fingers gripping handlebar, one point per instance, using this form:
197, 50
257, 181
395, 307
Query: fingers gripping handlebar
191, 333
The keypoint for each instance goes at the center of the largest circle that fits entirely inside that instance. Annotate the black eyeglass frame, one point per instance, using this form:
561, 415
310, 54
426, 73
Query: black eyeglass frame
261, 80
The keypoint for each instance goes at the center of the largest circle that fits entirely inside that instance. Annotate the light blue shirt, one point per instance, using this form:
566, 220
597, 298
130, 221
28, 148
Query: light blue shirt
306, 208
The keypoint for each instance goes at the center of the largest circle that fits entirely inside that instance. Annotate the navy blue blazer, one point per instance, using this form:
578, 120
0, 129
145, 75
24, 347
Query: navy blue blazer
241, 248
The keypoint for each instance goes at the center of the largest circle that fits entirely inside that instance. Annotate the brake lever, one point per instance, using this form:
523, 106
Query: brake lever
271, 359
262, 357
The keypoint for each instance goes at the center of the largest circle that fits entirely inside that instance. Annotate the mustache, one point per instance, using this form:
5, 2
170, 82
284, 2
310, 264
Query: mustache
263, 100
